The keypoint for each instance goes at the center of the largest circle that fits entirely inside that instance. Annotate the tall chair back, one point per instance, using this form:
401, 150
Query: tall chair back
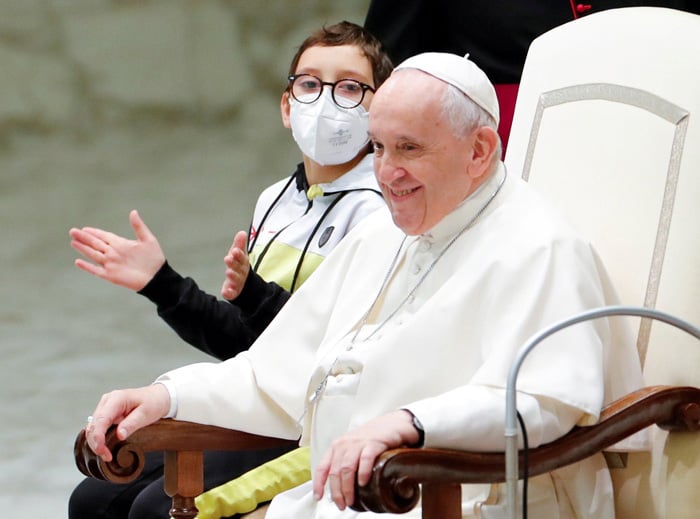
607, 125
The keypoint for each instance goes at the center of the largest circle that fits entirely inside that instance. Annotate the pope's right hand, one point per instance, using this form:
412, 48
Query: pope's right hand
130, 410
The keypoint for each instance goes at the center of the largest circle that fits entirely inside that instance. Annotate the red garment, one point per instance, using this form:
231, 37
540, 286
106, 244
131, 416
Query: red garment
506, 93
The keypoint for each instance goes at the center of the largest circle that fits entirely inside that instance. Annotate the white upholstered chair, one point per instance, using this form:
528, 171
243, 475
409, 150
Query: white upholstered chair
607, 125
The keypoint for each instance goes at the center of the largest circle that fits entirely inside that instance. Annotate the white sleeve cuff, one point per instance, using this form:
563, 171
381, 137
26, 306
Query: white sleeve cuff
173, 397
472, 417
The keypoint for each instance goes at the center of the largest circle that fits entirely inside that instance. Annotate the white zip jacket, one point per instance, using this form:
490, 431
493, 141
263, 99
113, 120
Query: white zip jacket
295, 225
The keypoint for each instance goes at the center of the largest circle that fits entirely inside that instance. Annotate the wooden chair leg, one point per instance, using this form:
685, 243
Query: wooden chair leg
441, 501
184, 480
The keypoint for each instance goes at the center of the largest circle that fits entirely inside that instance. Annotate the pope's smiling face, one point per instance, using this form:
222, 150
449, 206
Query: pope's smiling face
424, 170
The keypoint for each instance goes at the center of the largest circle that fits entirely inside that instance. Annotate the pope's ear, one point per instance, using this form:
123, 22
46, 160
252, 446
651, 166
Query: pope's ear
485, 144
284, 109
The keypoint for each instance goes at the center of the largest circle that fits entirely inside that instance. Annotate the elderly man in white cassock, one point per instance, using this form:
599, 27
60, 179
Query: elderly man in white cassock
406, 333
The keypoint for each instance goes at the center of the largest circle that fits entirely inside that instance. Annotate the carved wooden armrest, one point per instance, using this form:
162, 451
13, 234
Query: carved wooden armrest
397, 474
183, 444
394, 486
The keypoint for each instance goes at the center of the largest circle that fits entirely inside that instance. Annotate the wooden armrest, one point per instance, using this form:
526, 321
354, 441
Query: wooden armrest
397, 474
183, 444
394, 486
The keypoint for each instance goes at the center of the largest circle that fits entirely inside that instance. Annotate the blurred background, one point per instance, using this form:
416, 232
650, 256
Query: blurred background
170, 107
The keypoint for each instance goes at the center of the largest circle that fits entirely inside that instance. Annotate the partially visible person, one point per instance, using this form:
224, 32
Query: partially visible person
407, 331
496, 34
296, 223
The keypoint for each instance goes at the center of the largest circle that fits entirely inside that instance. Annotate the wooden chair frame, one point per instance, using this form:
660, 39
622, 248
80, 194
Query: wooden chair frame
400, 476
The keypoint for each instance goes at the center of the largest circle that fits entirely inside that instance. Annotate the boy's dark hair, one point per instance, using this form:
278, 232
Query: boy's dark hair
348, 33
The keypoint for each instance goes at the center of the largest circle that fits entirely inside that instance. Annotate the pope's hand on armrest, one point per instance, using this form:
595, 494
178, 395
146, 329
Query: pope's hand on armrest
130, 409
353, 454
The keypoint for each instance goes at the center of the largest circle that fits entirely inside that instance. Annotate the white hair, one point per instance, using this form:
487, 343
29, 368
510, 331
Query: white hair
464, 115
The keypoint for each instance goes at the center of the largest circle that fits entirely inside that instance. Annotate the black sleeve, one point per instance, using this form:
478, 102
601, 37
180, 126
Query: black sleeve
219, 328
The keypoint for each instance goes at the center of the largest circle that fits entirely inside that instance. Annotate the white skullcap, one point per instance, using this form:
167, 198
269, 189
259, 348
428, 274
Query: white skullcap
459, 72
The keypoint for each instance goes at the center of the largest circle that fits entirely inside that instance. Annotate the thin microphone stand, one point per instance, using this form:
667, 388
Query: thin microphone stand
511, 432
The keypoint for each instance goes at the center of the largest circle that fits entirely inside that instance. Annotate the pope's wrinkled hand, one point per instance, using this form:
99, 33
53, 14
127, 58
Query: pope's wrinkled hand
130, 410
353, 455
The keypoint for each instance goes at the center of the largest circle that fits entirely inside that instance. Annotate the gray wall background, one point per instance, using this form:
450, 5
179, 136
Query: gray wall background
167, 106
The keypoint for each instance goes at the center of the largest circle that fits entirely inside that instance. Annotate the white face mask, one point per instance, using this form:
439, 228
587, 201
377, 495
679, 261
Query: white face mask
327, 133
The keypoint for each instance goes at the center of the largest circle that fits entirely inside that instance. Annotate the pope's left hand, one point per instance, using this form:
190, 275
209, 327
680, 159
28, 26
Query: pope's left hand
353, 454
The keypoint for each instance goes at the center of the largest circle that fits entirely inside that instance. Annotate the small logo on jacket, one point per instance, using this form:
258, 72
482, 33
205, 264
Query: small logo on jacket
325, 236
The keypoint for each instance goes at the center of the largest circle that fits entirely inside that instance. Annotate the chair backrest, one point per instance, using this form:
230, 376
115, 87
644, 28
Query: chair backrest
607, 125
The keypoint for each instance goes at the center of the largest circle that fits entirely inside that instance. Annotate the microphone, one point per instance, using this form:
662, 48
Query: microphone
511, 432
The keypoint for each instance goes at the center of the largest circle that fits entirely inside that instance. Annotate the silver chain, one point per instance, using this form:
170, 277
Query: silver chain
410, 294
321, 386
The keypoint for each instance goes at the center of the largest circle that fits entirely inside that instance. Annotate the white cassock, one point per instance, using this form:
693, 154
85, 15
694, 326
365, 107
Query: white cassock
443, 352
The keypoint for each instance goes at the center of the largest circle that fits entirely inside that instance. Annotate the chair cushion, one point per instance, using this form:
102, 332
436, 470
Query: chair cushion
256, 486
